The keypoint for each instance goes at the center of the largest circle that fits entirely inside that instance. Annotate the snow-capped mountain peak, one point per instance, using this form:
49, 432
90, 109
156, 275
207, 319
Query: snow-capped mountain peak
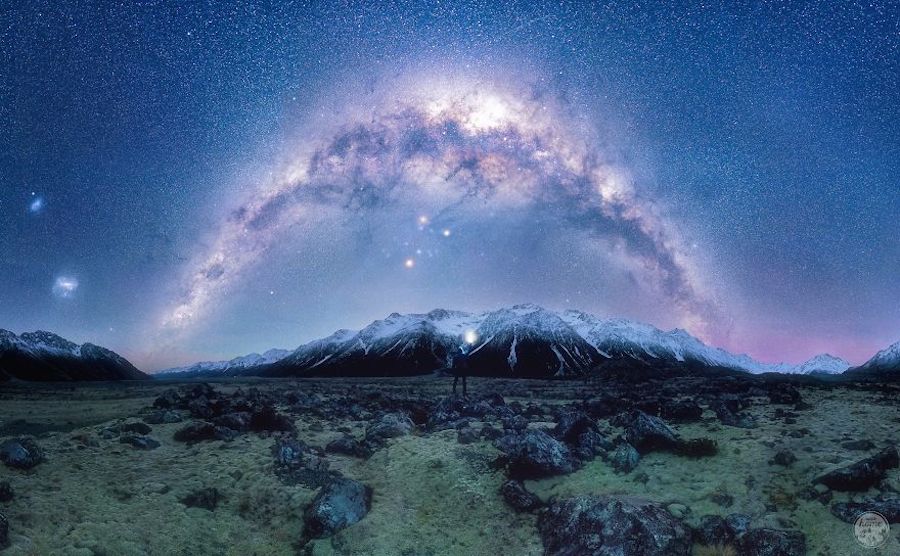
522, 340
823, 363
888, 357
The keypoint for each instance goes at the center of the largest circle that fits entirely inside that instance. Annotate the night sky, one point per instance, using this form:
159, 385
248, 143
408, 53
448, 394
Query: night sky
186, 181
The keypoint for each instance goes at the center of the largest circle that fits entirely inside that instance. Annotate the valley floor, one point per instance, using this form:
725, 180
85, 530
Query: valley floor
431, 494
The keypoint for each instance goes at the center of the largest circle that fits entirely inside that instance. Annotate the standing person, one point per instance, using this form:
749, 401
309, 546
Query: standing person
461, 366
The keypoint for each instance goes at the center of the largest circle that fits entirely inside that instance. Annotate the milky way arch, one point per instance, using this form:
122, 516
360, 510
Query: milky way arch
445, 145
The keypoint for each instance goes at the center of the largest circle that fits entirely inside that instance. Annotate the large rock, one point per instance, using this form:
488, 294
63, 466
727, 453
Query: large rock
340, 503
520, 498
863, 474
267, 419
534, 454
771, 542
849, 511
647, 433
713, 530
21, 453
198, 431
624, 458
608, 526
571, 424
731, 417
389, 425
349, 446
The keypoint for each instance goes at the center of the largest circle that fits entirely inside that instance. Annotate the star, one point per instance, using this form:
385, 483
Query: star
409, 263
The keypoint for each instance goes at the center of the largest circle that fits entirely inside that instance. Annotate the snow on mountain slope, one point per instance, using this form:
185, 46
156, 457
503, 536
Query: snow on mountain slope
44, 356
824, 363
220, 367
523, 339
888, 358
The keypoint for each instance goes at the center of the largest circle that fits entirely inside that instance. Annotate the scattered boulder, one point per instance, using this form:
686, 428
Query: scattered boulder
267, 419
296, 463
139, 442
489, 432
590, 444
533, 454
518, 497
467, 435
681, 411
198, 431
730, 417
647, 433
738, 523
137, 427
515, 423
340, 503
784, 394
6, 492
21, 453
624, 458
163, 416
288, 452
571, 424
863, 474
785, 458
389, 425
889, 508
237, 420
606, 526
713, 530
206, 498
349, 446
771, 542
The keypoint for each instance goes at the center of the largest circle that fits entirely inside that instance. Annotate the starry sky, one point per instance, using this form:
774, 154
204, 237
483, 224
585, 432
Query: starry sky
187, 181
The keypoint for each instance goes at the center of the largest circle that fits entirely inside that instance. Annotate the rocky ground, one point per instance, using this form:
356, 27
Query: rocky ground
712, 465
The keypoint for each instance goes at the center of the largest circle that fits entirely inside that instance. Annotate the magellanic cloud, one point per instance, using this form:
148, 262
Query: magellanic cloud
446, 145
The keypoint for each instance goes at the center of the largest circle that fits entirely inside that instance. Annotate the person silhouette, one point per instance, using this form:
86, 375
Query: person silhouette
460, 366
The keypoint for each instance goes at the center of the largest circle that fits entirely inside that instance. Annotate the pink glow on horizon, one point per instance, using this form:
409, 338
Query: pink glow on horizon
774, 346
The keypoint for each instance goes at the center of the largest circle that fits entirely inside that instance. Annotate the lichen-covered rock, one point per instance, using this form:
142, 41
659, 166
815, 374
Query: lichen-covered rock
198, 431
889, 508
389, 425
349, 446
339, 504
624, 458
534, 454
713, 530
771, 542
21, 453
518, 497
608, 526
863, 474
647, 433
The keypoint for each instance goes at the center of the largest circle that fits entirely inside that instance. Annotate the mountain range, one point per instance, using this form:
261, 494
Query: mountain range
44, 356
520, 341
